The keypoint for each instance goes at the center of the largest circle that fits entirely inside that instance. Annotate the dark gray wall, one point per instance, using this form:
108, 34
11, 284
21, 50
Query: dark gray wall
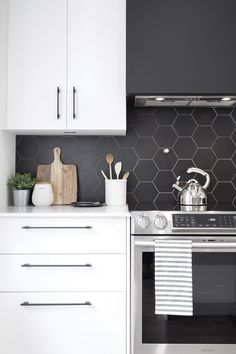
200, 137
184, 46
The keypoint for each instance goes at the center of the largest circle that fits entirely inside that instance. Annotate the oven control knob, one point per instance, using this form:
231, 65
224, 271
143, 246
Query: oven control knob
160, 222
142, 222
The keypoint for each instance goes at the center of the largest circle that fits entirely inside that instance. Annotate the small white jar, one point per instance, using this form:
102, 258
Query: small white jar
42, 194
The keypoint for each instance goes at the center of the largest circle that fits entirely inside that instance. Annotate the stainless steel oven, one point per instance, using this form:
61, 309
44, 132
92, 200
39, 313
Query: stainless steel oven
212, 328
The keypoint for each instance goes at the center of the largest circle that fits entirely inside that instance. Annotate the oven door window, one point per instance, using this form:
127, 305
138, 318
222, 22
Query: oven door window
214, 303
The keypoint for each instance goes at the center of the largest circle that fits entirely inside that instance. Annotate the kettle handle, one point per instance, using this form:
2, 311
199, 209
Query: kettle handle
203, 173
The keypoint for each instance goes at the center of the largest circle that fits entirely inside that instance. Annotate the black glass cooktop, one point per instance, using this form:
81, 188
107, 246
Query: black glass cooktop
176, 207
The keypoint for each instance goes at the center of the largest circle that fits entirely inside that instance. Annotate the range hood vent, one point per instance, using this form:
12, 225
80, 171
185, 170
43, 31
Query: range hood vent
185, 101
184, 50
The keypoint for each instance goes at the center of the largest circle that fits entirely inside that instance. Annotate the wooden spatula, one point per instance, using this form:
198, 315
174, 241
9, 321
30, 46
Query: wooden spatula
118, 167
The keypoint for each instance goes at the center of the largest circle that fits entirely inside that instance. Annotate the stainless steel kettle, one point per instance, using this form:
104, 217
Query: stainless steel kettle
192, 194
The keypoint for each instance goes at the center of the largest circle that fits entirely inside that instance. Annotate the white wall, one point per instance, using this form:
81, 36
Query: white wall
7, 140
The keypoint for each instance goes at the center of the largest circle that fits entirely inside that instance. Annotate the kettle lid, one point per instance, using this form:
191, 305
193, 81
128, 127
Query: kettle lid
192, 181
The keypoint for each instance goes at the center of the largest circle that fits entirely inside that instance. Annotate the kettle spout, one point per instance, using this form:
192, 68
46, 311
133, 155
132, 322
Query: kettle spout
176, 186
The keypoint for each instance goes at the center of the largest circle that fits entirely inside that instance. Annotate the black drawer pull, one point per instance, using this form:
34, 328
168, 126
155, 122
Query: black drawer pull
74, 102
26, 303
28, 265
55, 227
58, 102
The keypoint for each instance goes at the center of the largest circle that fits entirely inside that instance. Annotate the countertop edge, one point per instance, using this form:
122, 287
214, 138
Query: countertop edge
64, 211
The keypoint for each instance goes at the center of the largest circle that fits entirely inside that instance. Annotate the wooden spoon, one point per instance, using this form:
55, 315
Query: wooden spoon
110, 159
118, 167
126, 175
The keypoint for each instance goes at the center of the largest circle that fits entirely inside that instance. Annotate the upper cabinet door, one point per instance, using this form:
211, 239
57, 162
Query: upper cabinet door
96, 66
37, 64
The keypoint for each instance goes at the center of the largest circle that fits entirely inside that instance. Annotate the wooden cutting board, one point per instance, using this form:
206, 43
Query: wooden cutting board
63, 179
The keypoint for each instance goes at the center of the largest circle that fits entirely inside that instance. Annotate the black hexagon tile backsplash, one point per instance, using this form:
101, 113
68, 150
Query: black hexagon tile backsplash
160, 145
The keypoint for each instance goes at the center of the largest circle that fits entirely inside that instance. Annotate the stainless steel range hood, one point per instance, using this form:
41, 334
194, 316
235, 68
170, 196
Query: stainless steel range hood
184, 101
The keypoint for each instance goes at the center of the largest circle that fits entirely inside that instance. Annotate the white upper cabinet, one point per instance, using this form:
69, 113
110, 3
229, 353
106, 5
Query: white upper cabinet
66, 68
37, 65
96, 65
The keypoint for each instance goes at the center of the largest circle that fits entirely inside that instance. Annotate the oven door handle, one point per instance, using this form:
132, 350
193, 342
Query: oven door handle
223, 245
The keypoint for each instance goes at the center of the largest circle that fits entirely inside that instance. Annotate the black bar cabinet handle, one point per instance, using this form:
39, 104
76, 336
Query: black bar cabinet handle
26, 303
58, 102
55, 227
28, 265
74, 102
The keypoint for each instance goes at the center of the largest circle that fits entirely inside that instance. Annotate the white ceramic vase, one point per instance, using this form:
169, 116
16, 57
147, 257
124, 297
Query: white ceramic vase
42, 194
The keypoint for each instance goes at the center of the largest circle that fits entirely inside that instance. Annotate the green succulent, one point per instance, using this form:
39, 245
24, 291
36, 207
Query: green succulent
22, 181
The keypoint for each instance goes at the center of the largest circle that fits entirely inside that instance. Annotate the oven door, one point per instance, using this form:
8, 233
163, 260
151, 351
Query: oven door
212, 328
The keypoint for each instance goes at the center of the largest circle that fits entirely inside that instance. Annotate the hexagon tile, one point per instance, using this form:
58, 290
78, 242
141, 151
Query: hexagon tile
159, 146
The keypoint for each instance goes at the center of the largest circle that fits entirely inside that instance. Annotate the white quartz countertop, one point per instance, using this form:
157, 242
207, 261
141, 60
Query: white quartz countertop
65, 211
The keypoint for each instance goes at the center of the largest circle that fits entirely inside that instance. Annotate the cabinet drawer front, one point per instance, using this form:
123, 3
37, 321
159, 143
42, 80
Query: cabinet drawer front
63, 235
90, 272
72, 323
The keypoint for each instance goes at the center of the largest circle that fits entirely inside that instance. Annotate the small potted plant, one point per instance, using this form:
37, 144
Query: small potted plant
21, 185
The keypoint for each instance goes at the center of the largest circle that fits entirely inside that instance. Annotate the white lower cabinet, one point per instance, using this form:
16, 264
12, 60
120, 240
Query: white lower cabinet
97, 327
62, 235
63, 285
88, 272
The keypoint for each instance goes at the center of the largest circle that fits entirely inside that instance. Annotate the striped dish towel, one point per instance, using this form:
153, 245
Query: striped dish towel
173, 277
